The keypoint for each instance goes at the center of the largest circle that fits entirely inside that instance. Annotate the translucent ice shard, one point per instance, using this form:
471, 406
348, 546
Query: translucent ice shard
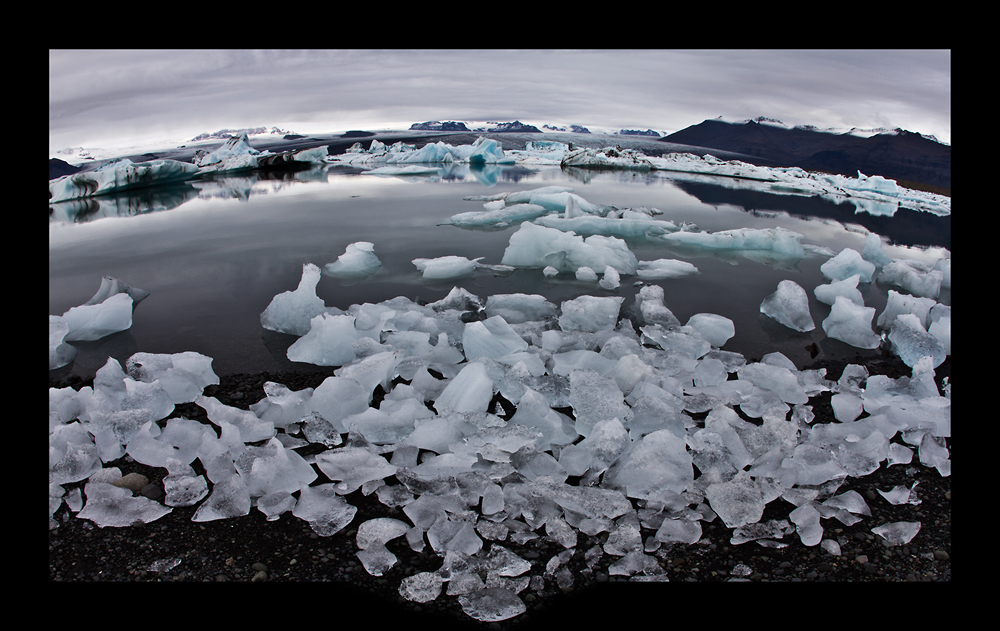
109, 505
789, 305
421, 587
851, 323
898, 533
492, 604
324, 509
291, 311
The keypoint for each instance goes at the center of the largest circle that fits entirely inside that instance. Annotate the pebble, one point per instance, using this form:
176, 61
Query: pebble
132, 481
862, 559
941, 555
259, 577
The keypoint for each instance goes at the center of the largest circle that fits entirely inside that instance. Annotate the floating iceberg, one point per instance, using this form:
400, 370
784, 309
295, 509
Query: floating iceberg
357, 261
776, 241
446, 267
537, 246
119, 175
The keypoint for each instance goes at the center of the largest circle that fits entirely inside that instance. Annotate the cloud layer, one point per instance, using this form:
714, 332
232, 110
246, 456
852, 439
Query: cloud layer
101, 98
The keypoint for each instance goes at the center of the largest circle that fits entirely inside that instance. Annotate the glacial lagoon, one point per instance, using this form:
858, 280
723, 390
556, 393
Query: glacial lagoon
213, 253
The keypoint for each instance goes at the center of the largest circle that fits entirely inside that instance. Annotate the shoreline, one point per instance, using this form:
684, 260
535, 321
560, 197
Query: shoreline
228, 550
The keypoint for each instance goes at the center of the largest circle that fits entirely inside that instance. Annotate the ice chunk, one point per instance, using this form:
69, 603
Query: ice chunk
353, 466
273, 505
357, 261
229, 498
658, 462
324, 509
873, 251
421, 587
109, 505
898, 303
846, 264
590, 313
92, 322
252, 429
778, 379
911, 342
848, 288
664, 268
60, 353
789, 305
537, 246
446, 267
329, 341
519, 308
534, 411
815, 465
650, 308
846, 407
851, 324
470, 391
585, 273
380, 529
498, 214
941, 325
714, 329
492, 604
292, 311
73, 456
492, 338
594, 398
738, 502
898, 533
184, 489
337, 398
918, 282
272, 468
611, 278
807, 523
183, 376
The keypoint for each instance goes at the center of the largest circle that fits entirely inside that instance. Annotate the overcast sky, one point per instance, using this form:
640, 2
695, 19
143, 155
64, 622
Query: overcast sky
107, 98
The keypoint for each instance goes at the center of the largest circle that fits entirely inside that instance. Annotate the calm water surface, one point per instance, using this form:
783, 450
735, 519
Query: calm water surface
213, 255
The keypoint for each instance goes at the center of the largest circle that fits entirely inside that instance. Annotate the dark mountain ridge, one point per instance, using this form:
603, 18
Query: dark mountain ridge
899, 155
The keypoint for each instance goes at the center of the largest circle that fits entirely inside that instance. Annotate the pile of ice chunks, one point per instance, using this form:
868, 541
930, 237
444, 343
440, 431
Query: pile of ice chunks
603, 438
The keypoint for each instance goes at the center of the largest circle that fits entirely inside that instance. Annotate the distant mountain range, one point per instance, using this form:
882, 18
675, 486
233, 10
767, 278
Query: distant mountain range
897, 154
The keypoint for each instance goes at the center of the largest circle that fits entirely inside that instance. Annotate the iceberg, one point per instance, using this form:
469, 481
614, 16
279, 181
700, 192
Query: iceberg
357, 261
119, 175
775, 241
921, 283
446, 267
664, 268
607, 158
910, 341
537, 246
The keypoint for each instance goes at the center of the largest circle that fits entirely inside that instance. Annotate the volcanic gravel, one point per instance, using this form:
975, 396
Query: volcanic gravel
252, 549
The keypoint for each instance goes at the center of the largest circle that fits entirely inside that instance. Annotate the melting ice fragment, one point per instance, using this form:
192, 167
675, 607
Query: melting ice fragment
324, 509
789, 305
846, 264
898, 533
492, 604
292, 311
852, 324
357, 261
92, 322
446, 267
590, 313
109, 505
910, 341
183, 376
